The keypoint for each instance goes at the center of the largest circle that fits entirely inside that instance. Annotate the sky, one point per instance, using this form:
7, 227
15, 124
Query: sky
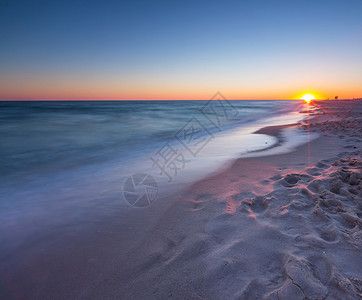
84, 49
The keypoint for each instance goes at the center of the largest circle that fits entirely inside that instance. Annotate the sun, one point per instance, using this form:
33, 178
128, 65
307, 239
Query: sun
307, 97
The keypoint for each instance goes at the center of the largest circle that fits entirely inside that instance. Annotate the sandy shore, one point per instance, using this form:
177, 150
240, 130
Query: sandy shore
284, 226
275, 227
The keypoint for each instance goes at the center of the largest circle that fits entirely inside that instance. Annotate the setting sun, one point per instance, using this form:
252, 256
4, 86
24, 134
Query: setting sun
307, 97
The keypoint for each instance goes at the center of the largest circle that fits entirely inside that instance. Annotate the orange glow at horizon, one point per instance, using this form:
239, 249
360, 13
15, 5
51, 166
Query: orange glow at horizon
38, 88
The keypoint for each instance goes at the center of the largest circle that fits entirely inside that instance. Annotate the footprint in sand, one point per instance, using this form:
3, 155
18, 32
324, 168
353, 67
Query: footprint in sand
301, 273
316, 186
306, 279
259, 204
321, 267
290, 180
329, 233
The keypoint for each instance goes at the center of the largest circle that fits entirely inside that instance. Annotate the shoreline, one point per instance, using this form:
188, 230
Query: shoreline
281, 226
225, 208
275, 131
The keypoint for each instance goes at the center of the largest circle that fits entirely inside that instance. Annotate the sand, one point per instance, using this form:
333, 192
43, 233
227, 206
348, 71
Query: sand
277, 227
284, 226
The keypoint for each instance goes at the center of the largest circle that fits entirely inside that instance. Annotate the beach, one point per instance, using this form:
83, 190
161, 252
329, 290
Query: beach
156, 150
272, 225
275, 227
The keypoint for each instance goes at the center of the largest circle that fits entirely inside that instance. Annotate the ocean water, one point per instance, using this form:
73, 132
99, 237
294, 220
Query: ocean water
60, 159
52, 136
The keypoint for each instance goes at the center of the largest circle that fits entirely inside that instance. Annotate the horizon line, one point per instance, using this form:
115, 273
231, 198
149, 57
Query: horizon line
19, 100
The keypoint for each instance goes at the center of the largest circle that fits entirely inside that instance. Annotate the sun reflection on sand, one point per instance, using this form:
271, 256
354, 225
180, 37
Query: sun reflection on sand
231, 205
251, 214
248, 175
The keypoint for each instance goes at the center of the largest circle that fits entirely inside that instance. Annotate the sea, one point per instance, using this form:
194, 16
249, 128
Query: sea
60, 160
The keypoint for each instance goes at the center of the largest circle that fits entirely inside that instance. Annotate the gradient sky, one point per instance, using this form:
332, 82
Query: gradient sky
180, 49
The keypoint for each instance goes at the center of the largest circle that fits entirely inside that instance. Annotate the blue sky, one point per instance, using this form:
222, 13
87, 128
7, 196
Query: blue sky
186, 49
